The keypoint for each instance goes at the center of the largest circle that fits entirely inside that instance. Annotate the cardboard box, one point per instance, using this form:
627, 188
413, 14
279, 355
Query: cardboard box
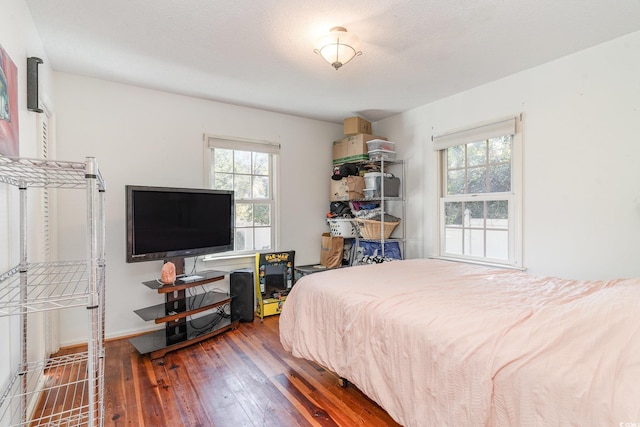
352, 148
349, 188
354, 125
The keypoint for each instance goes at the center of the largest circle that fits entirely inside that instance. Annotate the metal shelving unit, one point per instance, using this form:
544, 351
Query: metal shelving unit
388, 201
62, 390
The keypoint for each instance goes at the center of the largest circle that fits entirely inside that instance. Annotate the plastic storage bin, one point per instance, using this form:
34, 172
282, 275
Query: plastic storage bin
380, 144
382, 155
391, 184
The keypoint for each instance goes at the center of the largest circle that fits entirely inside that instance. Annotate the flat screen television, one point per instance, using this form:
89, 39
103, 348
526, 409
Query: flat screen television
165, 223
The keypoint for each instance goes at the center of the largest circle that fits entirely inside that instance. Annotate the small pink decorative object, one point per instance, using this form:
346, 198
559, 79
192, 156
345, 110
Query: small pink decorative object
168, 275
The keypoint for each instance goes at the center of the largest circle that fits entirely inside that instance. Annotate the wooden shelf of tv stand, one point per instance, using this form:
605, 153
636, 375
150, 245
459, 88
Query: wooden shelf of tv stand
196, 303
154, 343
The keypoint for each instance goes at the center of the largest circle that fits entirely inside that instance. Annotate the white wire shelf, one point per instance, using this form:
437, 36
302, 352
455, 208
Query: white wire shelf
47, 173
375, 199
62, 390
56, 393
388, 240
49, 286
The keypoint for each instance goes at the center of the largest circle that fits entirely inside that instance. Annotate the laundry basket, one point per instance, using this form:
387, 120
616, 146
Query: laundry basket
342, 227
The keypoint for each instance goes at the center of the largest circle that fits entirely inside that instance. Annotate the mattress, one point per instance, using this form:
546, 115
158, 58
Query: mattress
440, 343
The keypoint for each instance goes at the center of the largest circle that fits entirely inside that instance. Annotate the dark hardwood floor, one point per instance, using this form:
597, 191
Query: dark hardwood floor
242, 377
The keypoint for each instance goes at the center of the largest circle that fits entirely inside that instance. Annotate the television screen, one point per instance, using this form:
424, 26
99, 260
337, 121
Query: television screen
165, 223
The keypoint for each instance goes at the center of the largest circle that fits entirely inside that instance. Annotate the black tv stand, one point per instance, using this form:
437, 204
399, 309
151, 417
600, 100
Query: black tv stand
180, 332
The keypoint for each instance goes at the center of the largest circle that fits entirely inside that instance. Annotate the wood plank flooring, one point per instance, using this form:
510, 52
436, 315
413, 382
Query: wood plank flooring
240, 378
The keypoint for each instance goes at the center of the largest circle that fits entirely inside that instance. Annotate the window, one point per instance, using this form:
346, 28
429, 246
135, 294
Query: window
480, 193
249, 169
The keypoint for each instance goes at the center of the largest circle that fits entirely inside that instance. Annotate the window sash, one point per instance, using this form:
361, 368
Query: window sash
211, 143
489, 169
484, 228
479, 132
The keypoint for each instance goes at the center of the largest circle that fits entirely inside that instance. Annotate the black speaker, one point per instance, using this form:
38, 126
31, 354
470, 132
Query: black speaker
241, 290
33, 100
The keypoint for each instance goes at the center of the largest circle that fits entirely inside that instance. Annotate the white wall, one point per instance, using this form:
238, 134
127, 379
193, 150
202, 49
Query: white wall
581, 181
20, 40
581, 159
147, 137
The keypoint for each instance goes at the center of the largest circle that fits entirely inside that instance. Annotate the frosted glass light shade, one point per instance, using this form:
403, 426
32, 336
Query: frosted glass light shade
338, 47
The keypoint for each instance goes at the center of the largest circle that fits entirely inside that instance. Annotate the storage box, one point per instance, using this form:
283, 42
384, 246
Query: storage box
377, 155
381, 144
349, 188
352, 148
354, 125
391, 184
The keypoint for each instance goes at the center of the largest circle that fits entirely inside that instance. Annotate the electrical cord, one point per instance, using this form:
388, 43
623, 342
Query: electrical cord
195, 299
206, 327
193, 269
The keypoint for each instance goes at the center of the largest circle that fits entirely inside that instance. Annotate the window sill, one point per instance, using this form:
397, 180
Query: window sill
486, 264
230, 256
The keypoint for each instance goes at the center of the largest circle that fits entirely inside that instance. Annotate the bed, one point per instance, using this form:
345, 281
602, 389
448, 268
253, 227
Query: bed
440, 343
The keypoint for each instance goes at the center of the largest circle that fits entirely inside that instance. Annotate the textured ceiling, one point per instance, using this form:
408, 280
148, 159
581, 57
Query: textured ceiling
259, 53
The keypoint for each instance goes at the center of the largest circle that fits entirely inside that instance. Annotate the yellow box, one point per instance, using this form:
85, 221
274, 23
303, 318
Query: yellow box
354, 125
352, 148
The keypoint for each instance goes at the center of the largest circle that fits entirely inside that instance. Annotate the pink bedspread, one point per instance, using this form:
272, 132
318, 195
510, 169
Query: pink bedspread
439, 343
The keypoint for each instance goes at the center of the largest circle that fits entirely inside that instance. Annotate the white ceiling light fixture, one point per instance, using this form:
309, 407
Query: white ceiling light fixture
338, 47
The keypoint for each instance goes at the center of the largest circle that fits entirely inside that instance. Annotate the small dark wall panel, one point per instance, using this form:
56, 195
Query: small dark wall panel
33, 100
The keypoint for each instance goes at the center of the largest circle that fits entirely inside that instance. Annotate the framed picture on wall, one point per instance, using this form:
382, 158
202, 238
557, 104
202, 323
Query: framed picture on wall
9, 140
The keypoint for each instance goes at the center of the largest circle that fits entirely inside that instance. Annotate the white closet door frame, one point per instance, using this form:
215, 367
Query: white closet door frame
47, 233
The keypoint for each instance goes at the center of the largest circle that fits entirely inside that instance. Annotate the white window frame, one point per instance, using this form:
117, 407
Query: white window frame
233, 143
479, 132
